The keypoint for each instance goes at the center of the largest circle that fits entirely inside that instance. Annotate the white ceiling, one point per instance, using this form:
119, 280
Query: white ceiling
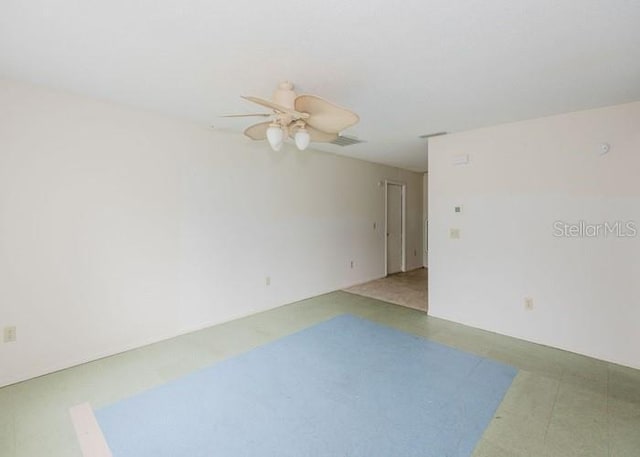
408, 68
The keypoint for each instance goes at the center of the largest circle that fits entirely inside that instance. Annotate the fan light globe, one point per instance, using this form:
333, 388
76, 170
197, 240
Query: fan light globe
275, 136
302, 139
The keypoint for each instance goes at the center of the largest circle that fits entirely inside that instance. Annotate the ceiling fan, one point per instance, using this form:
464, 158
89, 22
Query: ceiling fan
305, 118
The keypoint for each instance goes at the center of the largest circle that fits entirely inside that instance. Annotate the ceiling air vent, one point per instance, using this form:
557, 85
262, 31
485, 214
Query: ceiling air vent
343, 140
431, 135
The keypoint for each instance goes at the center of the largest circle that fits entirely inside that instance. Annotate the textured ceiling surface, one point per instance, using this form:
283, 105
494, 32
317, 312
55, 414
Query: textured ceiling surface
407, 68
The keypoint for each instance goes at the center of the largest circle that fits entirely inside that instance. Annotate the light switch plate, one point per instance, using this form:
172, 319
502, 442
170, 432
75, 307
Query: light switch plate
528, 304
9, 334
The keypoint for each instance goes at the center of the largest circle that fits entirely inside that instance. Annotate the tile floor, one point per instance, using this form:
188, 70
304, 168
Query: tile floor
407, 289
560, 404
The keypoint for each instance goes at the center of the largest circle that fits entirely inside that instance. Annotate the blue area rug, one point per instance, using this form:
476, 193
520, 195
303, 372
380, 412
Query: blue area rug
344, 387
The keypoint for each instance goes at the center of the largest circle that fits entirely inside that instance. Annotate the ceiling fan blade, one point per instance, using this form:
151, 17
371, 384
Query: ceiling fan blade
258, 131
247, 115
316, 136
276, 107
324, 115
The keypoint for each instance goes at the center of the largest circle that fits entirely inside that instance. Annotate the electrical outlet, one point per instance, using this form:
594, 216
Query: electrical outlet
528, 304
9, 334
267, 281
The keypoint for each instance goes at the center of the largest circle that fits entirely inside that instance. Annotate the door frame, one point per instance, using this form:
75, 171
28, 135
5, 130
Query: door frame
403, 207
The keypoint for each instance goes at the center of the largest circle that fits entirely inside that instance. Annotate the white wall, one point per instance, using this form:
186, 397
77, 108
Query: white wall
119, 227
523, 177
425, 218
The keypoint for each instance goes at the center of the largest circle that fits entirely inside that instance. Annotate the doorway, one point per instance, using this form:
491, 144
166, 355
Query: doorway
394, 227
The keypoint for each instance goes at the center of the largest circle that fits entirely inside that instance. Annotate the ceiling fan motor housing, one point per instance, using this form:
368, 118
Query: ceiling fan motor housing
284, 95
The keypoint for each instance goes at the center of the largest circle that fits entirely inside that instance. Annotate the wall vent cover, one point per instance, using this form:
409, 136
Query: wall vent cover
344, 140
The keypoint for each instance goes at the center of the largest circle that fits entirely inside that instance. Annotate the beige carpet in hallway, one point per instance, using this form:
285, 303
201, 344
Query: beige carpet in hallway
407, 289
